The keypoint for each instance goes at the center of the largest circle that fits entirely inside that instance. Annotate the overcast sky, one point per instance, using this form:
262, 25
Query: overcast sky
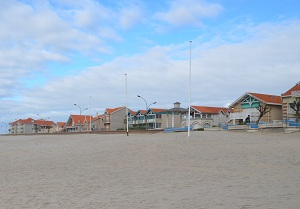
54, 53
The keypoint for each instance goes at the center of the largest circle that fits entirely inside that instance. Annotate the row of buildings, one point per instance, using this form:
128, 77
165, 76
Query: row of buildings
283, 108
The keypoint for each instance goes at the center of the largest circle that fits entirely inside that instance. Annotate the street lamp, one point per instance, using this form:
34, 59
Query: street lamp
80, 111
147, 106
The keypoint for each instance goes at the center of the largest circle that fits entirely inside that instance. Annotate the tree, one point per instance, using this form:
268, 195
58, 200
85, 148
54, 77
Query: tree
296, 106
263, 109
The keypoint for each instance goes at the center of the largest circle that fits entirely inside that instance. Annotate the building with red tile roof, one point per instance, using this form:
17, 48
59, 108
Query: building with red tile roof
78, 123
247, 103
290, 99
155, 118
60, 127
112, 119
207, 116
29, 126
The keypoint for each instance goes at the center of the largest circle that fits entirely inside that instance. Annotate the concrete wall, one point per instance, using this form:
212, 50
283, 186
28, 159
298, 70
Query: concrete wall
117, 119
167, 120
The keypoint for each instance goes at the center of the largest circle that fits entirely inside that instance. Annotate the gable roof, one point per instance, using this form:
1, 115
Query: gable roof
22, 121
143, 112
44, 122
265, 98
112, 110
157, 110
131, 112
81, 118
294, 88
32, 121
61, 124
211, 110
98, 117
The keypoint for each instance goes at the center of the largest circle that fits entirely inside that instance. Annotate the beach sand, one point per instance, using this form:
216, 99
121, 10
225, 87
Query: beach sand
210, 169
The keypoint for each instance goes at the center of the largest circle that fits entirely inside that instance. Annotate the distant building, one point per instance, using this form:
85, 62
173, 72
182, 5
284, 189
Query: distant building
60, 127
112, 119
207, 117
44, 126
78, 123
97, 123
247, 103
153, 118
177, 115
29, 126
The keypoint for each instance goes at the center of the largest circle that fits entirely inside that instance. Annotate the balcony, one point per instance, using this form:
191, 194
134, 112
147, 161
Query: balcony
106, 121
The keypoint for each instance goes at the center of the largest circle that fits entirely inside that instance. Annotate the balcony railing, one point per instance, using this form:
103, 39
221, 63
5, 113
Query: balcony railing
107, 120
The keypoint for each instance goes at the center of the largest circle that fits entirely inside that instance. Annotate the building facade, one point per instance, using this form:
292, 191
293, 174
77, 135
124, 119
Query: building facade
291, 103
247, 104
112, 119
153, 118
30, 126
78, 123
207, 117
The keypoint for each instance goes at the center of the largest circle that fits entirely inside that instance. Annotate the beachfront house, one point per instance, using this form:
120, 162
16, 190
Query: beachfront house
22, 126
78, 123
247, 103
207, 117
290, 101
97, 123
29, 126
112, 119
44, 126
153, 118
60, 127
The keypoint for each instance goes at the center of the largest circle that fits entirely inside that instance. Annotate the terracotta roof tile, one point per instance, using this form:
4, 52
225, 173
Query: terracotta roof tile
156, 110
22, 121
81, 118
112, 110
61, 124
212, 110
294, 88
273, 99
142, 111
44, 122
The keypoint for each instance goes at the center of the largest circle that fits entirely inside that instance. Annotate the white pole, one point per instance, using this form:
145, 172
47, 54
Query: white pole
189, 119
90, 113
126, 105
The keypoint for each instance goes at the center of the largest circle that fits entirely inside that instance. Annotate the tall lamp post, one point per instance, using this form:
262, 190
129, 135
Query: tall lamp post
80, 111
126, 105
147, 106
190, 89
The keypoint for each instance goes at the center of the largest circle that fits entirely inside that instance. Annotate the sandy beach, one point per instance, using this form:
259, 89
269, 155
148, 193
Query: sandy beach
210, 169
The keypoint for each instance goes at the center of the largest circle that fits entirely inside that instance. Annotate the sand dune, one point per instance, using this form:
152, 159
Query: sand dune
207, 170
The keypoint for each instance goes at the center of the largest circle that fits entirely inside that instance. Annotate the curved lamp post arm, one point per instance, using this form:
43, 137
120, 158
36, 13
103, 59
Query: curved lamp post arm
147, 107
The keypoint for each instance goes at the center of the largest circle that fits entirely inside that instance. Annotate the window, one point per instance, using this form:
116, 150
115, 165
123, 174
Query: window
151, 116
197, 115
